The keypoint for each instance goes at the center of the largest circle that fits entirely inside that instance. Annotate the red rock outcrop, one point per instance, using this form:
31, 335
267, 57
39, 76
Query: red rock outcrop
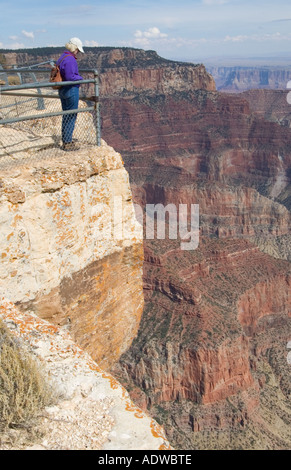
155, 78
194, 347
270, 104
208, 149
258, 306
210, 322
212, 319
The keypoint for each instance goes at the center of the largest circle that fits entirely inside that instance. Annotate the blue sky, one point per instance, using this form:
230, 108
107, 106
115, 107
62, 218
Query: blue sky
180, 29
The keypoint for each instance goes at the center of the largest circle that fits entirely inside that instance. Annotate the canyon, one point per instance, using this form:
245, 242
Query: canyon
236, 79
217, 320
208, 359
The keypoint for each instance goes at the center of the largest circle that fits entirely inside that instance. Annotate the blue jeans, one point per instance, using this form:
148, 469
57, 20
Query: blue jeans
69, 96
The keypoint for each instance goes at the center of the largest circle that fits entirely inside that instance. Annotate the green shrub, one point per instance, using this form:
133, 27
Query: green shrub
24, 391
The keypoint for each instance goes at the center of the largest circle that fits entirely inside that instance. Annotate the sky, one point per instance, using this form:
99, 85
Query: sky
177, 29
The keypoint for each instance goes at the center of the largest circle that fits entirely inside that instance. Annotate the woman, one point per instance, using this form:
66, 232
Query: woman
69, 94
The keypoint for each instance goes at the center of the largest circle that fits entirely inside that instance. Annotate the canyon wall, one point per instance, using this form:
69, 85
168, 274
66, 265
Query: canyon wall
238, 78
127, 70
232, 162
214, 333
272, 105
209, 360
64, 253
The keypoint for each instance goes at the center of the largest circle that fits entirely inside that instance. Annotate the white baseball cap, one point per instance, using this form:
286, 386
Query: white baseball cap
77, 42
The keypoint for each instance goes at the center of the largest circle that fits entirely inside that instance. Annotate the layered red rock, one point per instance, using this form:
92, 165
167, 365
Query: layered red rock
208, 149
272, 105
213, 322
259, 305
210, 325
218, 295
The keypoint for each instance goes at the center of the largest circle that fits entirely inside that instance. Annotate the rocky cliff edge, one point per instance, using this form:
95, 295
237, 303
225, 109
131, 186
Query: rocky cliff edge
71, 287
94, 412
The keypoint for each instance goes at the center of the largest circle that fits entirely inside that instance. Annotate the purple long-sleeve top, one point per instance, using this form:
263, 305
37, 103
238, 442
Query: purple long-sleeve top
69, 67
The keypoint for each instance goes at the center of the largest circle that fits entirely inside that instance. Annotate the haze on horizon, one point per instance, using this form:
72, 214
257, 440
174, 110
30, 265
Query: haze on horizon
186, 30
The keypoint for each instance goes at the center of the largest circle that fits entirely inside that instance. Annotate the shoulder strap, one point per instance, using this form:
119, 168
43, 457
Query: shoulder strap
66, 55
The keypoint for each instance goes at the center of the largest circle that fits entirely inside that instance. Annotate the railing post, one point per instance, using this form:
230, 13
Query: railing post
18, 74
5, 77
97, 109
40, 101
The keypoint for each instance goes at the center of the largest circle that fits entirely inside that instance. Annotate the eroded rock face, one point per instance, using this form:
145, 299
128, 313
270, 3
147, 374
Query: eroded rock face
214, 330
217, 320
155, 78
236, 79
208, 149
270, 104
71, 248
259, 305
203, 311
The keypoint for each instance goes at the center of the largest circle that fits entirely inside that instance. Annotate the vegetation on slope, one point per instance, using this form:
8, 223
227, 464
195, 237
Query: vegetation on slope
24, 391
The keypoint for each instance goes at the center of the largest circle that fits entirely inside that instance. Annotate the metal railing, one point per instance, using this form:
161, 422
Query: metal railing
42, 104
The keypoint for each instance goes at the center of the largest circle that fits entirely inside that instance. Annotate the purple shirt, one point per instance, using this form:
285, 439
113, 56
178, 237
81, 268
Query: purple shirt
69, 67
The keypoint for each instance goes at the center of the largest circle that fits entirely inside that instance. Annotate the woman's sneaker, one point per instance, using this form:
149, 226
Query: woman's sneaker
70, 146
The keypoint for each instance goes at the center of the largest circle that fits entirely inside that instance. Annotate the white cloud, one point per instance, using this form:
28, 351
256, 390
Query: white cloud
153, 39
163, 43
151, 33
258, 38
13, 38
239, 38
91, 43
27, 34
143, 38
